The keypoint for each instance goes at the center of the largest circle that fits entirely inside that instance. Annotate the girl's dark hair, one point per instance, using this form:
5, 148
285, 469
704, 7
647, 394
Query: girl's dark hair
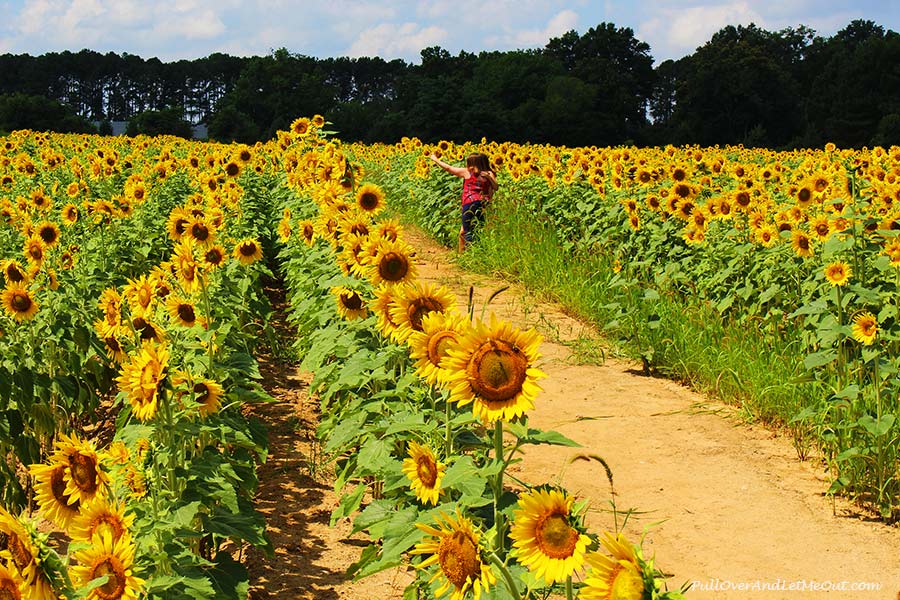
483, 164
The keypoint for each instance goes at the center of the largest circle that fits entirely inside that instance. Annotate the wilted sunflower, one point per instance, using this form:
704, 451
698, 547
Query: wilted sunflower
98, 517
412, 301
545, 539
48, 232
113, 559
370, 199
182, 311
429, 347
18, 302
838, 273
350, 304
50, 493
865, 328
392, 263
247, 251
424, 472
492, 368
618, 576
142, 377
455, 548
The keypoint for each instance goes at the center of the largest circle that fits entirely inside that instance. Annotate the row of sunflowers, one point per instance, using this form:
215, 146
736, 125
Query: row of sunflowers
132, 308
796, 254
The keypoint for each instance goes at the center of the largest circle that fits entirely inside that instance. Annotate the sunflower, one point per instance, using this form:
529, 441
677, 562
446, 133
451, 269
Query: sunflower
14, 272
492, 368
48, 233
247, 251
49, 487
455, 547
11, 585
182, 311
544, 538
838, 273
139, 293
428, 348
415, 300
618, 576
425, 473
111, 336
186, 265
284, 229
20, 551
147, 330
113, 559
18, 302
370, 199
802, 244
110, 304
865, 328
178, 222
350, 304
33, 249
208, 394
381, 306
300, 126
200, 230
142, 378
392, 263
84, 477
307, 231
98, 517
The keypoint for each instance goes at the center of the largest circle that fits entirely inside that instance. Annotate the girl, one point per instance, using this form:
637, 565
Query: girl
479, 185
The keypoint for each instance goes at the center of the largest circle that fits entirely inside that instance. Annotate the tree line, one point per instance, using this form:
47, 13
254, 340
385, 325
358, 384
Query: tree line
783, 89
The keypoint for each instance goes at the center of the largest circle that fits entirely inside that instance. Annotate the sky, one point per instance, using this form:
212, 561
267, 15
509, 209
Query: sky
186, 29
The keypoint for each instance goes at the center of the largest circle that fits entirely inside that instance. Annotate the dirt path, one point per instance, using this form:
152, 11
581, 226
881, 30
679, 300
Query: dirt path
724, 504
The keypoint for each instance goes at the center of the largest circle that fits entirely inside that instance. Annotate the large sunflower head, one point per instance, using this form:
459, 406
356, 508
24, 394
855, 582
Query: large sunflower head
13, 272
455, 547
50, 492
48, 232
98, 517
545, 537
429, 347
182, 311
838, 273
143, 377
493, 369
424, 472
113, 559
19, 302
415, 300
865, 328
392, 263
619, 575
370, 199
84, 476
350, 303
307, 230
34, 250
208, 394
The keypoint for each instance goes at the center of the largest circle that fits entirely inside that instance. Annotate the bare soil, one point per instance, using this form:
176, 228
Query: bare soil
722, 503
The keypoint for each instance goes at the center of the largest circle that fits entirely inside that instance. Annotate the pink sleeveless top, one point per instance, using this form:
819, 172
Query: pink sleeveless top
472, 191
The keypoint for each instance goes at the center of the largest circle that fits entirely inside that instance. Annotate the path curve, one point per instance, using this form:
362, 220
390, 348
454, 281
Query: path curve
736, 506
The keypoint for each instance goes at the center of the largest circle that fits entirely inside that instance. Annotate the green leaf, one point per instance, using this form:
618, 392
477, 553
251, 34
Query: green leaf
877, 427
553, 438
819, 359
348, 504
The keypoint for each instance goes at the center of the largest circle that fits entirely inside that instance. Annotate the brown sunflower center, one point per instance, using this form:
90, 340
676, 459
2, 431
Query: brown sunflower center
48, 234
200, 232
351, 301
186, 313
368, 201
497, 371
9, 590
36, 252
458, 557
804, 195
427, 471
214, 257
20, 302
248, 249
232, 169
555, 537
180, 224
438, 345
14, 274
114, 587
84, 472
393, 267
112, 343
202, 392
58, 489
420, 307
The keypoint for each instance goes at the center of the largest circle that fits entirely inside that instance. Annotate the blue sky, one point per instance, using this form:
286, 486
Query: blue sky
176, 29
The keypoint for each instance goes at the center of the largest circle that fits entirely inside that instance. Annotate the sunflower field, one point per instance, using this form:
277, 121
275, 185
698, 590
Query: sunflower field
134, 304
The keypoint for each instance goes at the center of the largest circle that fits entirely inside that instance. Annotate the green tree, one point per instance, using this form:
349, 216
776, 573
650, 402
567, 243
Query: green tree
25, 111
168, 121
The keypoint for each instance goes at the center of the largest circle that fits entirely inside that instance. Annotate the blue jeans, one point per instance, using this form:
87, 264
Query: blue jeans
472, 217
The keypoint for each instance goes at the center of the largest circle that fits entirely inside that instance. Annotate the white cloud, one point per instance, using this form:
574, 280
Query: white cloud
679, 31
562, 22
391, 40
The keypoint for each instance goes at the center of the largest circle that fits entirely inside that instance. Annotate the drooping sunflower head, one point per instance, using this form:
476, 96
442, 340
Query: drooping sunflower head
186, 267
425, 473
350, 303
865, 328
85, 477
493, 369
50, 492
455, 547
143, 377
139, 293
429, 347
113, 559
415, 300
838, 273
19, 302
208, 394
382, 304
545, 535
619, 575
248, 251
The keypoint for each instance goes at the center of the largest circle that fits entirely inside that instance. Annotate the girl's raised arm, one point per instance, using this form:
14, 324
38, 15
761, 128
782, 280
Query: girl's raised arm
458, 171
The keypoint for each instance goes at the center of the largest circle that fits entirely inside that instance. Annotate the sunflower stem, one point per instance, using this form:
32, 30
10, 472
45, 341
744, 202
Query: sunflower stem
448, 434
507, 576
569, 591
205, 293
498, 486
